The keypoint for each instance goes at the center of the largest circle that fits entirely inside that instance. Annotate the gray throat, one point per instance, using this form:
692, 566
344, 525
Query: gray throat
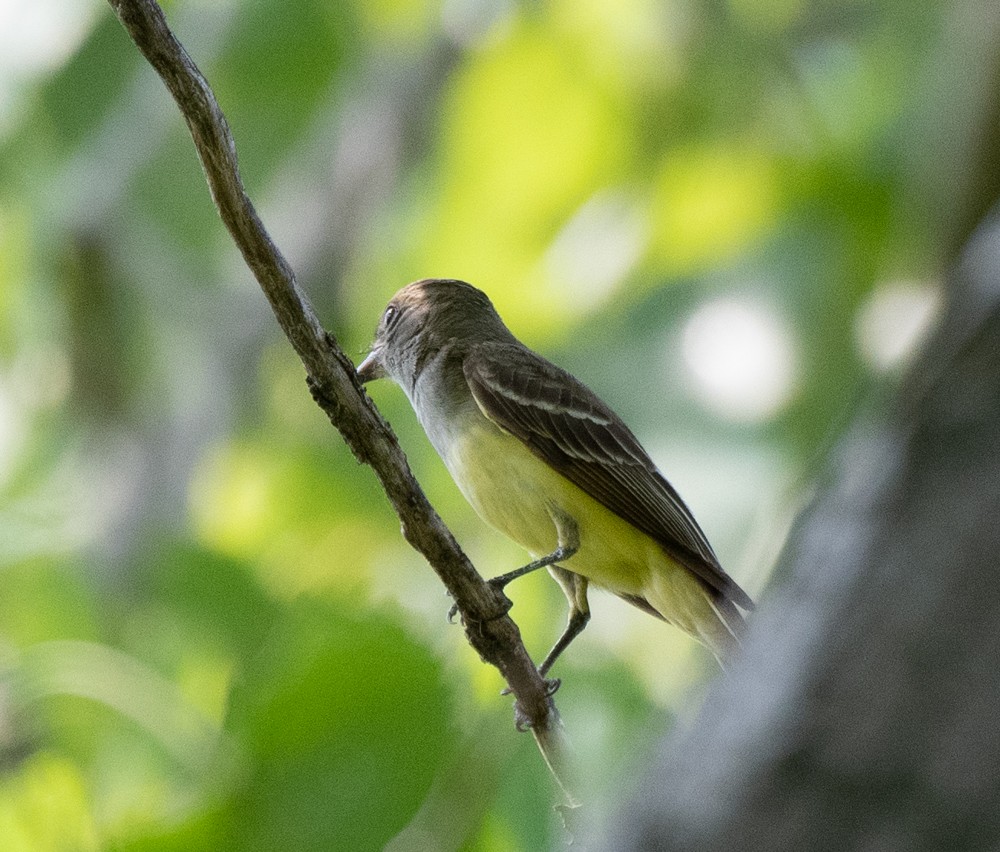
442, 400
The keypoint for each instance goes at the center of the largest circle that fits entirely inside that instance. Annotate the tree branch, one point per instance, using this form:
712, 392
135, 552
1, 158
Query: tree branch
335, 387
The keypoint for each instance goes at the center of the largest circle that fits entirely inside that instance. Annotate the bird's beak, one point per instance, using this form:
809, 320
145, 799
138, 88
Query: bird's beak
371, 368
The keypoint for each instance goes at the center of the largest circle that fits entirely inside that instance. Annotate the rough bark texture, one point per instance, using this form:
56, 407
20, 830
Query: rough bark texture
864, 712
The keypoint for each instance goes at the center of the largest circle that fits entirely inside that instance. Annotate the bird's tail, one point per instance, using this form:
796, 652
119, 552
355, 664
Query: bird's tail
711, 616
725, 636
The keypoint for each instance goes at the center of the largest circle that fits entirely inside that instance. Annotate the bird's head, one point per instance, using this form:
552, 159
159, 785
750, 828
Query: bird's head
422, 318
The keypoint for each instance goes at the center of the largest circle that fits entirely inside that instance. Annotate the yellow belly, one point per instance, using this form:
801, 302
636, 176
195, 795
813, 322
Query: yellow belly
515, 493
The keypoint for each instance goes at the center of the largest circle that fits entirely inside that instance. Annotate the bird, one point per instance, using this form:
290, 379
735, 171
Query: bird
541, 458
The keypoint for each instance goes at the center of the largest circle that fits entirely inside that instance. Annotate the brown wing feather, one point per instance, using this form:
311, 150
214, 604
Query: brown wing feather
566, 425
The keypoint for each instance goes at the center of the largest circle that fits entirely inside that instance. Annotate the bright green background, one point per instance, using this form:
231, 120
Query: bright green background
212, 635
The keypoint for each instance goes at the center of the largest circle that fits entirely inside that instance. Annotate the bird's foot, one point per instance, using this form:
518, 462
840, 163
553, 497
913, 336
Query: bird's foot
505, 604
522, 721
552, 684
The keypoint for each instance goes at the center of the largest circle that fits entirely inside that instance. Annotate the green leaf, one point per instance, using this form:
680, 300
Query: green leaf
345, 722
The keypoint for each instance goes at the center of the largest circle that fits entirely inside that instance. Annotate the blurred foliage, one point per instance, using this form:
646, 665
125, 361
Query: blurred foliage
728, 217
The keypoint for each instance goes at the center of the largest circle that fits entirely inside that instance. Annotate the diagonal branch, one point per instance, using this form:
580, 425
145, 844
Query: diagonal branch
335, 387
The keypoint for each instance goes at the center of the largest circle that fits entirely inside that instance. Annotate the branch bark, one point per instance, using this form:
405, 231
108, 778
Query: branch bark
335, 387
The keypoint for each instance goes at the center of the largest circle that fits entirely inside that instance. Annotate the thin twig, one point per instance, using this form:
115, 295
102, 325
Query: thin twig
335, 387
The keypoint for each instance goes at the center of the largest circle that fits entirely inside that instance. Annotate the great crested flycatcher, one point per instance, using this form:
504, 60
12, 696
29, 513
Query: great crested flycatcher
547, 463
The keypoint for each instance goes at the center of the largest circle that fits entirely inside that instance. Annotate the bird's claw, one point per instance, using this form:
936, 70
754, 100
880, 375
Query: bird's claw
504, 607
551, 686
522, 721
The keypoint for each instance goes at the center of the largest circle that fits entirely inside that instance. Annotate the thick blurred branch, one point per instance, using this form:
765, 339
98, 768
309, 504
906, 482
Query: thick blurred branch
333, 382
863, 713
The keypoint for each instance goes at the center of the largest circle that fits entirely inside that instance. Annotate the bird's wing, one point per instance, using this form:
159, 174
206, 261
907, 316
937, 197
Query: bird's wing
566, 425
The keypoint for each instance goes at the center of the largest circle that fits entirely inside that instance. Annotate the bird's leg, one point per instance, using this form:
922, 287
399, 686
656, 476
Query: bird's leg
575, 588
568, 544
558, 555
568, 538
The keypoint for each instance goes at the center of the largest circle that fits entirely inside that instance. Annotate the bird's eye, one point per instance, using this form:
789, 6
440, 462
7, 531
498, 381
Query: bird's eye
390, 316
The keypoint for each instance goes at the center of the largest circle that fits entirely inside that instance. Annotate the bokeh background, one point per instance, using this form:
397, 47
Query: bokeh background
729, 217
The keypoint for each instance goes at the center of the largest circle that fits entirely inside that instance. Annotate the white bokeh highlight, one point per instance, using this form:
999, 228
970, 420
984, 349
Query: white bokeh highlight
893, 322
741, 359
36, 37
595, 251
